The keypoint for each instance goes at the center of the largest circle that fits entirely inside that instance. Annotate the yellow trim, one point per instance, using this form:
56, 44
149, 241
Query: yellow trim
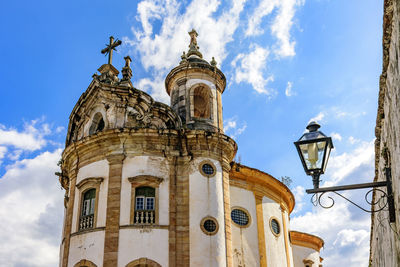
306, 240
262, 183
285, 235
260, 230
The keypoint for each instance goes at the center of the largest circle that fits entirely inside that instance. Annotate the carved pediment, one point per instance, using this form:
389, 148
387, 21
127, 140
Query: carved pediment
121, 107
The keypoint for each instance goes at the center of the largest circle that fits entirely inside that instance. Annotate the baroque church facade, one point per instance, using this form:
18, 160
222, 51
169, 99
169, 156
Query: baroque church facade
150, 184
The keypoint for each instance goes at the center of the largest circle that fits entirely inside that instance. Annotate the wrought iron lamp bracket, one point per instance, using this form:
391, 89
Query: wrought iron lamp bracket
384, 200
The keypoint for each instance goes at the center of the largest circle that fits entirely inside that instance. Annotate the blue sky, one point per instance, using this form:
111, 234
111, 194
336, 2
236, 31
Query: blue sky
286, 62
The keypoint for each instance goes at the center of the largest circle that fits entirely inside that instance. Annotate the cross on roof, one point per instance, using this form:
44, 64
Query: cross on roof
110, 47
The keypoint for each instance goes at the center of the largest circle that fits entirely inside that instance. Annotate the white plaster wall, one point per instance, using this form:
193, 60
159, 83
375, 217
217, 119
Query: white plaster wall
245, 240
303, 253
275, 246
206, 199
192, 82
145, 165
88, 246
95, 169
61, 254
139, 243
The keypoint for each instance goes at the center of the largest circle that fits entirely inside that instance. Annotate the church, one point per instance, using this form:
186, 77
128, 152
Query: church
150, 184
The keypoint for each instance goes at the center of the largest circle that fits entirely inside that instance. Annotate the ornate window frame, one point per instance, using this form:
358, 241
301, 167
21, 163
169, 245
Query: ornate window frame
279, 224
212, 165
143, 262
212, 219
83, 186
245, 211
85, 263
144, 180
308, 262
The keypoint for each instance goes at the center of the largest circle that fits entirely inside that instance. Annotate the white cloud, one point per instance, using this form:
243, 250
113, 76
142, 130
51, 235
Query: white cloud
232, 128
249, 68
336, 136
31, 212
31, 138
344, 228
288, 91
298, 193
351, 237
318, 118
281, 25
353, 140
161, 51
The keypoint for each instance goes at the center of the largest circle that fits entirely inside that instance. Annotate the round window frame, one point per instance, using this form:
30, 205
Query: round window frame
212, 219
245, 211
211, 164
279, 224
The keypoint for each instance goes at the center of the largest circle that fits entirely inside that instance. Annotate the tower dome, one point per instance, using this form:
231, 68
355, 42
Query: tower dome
195, 88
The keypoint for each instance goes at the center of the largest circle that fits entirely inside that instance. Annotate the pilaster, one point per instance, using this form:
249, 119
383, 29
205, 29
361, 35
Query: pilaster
68, 217
113, 210
227, 212
260, 229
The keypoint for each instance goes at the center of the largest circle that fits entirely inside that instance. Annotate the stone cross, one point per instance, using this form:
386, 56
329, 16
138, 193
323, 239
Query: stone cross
110, 47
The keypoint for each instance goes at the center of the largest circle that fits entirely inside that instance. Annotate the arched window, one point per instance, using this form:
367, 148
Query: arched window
97, 123
86, 220
145, 197
201, 99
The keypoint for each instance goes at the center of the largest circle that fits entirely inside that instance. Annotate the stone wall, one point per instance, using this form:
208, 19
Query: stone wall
385, 236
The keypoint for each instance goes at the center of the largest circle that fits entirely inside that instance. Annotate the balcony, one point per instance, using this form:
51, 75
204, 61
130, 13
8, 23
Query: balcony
144, 217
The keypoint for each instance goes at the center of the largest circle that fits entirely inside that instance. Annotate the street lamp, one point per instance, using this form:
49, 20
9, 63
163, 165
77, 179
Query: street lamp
314, 149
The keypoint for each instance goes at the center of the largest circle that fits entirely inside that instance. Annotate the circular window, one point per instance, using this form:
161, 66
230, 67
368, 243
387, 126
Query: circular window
209, 225
207, 168
240, 217
275, 227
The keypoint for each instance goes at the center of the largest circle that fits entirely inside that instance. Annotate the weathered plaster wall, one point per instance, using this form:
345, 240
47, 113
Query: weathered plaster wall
245, 240
89, 246
145, 165
385, 237
303, 253
95, 169
206, 199
275, 245
143, 243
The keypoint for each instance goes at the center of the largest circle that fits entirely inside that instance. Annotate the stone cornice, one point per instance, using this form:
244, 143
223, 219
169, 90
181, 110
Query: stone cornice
145, 141
306, 240
262, 184
186, 69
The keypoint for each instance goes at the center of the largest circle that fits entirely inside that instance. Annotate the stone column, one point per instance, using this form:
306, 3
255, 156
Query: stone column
68, 216
227, 212
113, 210
182, 243
285, 235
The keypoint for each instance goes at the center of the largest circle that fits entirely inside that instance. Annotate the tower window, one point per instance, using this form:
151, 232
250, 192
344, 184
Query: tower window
209, 225
144, 205
240, 217
97, 123
275, 227
202, 105
207, 168
86, 220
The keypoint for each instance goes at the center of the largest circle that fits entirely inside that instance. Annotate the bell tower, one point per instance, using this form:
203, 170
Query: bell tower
195, 88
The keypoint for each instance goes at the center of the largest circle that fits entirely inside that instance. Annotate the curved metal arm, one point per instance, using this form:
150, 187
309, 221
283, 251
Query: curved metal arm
381, 201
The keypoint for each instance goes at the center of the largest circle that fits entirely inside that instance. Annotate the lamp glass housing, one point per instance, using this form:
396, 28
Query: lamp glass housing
314, 149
